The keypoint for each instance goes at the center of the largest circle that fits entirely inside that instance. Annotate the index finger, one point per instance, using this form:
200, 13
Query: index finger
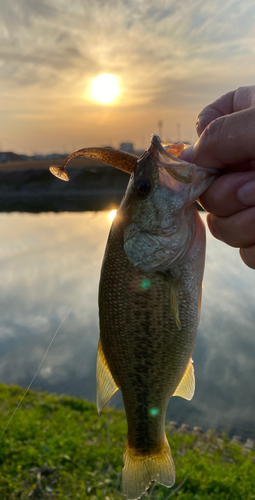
227, 141
236, 100
220, 107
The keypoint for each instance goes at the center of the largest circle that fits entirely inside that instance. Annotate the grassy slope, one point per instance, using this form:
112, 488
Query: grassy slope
58, 447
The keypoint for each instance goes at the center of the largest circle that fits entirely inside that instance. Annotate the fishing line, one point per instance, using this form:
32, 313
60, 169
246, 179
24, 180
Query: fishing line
49, 346
178, 487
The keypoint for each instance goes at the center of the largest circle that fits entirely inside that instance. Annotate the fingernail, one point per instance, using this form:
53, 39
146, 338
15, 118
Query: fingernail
210, 219
246, 194
199, 125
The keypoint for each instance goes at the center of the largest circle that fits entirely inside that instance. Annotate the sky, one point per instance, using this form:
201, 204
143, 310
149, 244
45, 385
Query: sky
171, 58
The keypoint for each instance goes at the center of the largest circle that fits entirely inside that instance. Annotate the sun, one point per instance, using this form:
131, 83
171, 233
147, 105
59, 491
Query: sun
104, 88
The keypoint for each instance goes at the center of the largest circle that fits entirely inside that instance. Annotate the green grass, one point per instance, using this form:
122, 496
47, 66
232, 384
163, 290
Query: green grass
57, 447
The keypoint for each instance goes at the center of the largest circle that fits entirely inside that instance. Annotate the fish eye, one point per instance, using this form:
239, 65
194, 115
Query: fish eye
142, 187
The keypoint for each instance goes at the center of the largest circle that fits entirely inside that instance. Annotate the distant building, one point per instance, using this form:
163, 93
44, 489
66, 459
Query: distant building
127, 146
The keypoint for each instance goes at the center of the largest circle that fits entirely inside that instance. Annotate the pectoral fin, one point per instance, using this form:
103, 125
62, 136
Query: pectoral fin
174, 303
106, 385
199, 304
186, 387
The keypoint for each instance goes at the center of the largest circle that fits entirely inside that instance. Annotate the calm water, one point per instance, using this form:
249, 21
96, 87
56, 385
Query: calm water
50, 265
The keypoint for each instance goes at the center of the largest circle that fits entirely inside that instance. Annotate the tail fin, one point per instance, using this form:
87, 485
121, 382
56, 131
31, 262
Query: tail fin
140, 470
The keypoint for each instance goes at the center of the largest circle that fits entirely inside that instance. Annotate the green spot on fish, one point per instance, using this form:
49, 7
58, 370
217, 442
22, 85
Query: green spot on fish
145, 283
154, 412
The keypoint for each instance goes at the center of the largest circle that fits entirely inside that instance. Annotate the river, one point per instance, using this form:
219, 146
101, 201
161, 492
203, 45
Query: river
49, 273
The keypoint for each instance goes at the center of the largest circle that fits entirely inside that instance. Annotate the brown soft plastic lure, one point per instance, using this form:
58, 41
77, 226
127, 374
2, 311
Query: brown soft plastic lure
115, 158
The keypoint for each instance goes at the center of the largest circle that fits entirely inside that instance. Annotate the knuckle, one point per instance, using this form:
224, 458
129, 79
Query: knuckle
248, 256
214, 129
212, 133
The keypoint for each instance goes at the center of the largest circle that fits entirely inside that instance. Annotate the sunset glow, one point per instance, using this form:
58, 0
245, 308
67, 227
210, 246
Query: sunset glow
93, 74
105, 88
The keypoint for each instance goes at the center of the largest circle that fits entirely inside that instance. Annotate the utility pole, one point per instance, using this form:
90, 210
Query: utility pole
178, 127
160, 127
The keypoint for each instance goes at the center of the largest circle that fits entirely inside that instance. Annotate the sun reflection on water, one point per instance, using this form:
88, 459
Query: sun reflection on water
112, 214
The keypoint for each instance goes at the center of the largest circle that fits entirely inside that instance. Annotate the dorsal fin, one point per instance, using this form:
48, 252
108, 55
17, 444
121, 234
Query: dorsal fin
106, 385
186, 387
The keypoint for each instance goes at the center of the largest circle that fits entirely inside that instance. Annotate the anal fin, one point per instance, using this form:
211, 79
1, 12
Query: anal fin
186, 387
106, 385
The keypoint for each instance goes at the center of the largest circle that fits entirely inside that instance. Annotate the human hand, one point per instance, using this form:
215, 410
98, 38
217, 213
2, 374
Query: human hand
226, 130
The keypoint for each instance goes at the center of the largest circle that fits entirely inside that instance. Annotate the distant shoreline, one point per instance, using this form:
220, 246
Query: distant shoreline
29, 187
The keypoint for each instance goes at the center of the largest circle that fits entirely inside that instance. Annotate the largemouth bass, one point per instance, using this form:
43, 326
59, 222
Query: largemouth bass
149, 303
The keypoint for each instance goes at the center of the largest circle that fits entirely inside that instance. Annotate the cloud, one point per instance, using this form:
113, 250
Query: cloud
167, 57
124, 36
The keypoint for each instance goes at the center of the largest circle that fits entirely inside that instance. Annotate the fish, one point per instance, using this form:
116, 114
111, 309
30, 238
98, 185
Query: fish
149, 304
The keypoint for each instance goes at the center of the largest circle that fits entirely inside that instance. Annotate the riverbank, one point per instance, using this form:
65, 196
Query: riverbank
30, 187
57, 447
